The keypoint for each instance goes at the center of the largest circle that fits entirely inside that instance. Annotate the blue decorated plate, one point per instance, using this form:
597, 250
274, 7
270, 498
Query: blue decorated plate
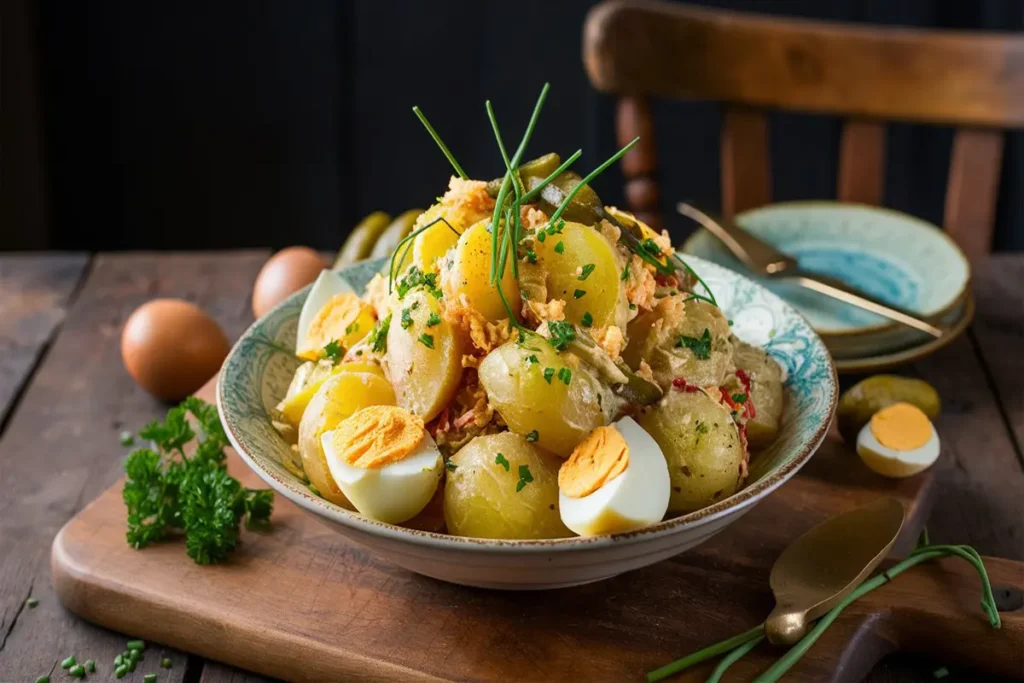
900, 259
258, 370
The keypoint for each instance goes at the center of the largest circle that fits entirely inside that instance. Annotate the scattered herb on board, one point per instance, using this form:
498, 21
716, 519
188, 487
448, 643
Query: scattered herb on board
701, 347
167, 490
525, 477
503, 461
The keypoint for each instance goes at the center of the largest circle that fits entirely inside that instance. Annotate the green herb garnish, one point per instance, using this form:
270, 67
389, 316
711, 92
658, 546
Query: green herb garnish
379, 336
351, 327
625, 272
531, 256
531, 359
427, 340
32, 603
417, 278
406, 319
167, 490
501, 460
700, 427
701, 347
560, 248
565, 375
525, 477
587, 320
127, 439
587, 270
433, 319
533, 436
333, 351
437, 138
651, 247
450, 466
579, 293
562, 333
549, 373
739, 398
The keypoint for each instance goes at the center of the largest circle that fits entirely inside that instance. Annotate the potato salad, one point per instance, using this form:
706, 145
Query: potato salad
528, 364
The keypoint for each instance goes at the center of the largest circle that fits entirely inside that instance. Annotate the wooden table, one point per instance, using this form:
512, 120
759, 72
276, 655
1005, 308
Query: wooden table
65, 397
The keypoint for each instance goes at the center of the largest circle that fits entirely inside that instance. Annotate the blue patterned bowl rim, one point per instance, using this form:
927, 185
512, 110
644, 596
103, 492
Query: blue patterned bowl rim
811, 390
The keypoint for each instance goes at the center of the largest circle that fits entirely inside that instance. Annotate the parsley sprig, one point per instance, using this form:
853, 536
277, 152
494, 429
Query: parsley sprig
701, 347
166, 490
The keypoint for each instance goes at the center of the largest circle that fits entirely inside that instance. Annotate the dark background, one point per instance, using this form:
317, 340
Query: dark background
234, 123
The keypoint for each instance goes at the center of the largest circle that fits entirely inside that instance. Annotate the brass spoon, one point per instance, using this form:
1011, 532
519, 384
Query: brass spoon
826, 564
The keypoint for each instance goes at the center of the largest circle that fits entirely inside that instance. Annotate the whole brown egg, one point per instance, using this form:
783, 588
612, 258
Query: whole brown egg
172, 347
284, 273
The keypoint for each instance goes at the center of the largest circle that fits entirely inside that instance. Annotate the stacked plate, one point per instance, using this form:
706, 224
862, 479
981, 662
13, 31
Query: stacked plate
904, 261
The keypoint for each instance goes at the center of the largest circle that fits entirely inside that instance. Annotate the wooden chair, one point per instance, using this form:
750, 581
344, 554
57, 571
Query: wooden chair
639, 49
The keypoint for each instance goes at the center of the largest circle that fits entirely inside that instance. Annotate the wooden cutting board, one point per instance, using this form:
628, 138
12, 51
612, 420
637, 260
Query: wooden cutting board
302, 603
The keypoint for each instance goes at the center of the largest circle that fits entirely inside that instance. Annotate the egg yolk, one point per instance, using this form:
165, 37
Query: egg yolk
901, 427
598, 459
344, 319
377, 436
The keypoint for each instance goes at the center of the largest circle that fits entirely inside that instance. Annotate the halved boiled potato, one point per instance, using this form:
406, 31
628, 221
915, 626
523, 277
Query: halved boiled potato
424, 355
338, 397
469, 276
581, 267
765, 391
526, 385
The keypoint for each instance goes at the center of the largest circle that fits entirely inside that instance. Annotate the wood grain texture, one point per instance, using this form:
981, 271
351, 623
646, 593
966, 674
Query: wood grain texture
862, 155
35, 290
268, 616
678, 51
61, 446
998, 333
746, 161
974, 168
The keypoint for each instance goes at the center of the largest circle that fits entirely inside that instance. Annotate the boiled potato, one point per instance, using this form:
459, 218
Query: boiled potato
295, 402
581, 267
470, 277
702, 448
679, 338
484, 498
562, 415
434, 242
424, 355
765, 391
340, 396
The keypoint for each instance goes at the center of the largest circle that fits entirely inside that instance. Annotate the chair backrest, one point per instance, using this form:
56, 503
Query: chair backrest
638, 49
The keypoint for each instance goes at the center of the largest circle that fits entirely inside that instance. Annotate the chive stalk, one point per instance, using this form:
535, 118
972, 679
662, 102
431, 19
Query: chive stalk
440, 143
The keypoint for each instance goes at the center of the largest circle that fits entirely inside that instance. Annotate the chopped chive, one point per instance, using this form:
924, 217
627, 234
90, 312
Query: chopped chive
69, 662
541, 236
533, 436
77, 671
579, 293
149, 678
560, 248
427, 340
120, 671
31, 603
531, 256
502, 460
136, 645
625, 272
587, 270
587, 320
437, 138
131, 665
90, 666
43, 679
118, 661
632, 307
126, 438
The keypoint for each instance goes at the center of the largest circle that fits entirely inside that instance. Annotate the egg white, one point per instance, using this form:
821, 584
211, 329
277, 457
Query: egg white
637, 497
328, 284
892, 463
395, 492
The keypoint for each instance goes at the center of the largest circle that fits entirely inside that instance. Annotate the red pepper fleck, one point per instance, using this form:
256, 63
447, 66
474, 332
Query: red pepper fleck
744, 379
680, 384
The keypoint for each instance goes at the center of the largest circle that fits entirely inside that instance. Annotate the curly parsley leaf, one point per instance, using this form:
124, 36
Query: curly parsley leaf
562, 333
503, 461
525, 477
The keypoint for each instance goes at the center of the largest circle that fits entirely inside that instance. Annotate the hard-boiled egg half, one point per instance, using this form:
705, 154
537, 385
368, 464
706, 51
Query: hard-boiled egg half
615, 480
898, 441
384, 462
331, 313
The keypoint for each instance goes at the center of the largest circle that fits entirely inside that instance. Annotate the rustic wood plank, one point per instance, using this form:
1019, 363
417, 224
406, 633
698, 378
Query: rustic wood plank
214, 672
974, 169
61, 446
680, 51
746, 161
998, 332
35, 290
861, 175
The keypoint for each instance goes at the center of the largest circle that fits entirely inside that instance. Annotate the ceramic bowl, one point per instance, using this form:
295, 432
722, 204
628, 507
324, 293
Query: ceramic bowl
256, 375
898, 258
